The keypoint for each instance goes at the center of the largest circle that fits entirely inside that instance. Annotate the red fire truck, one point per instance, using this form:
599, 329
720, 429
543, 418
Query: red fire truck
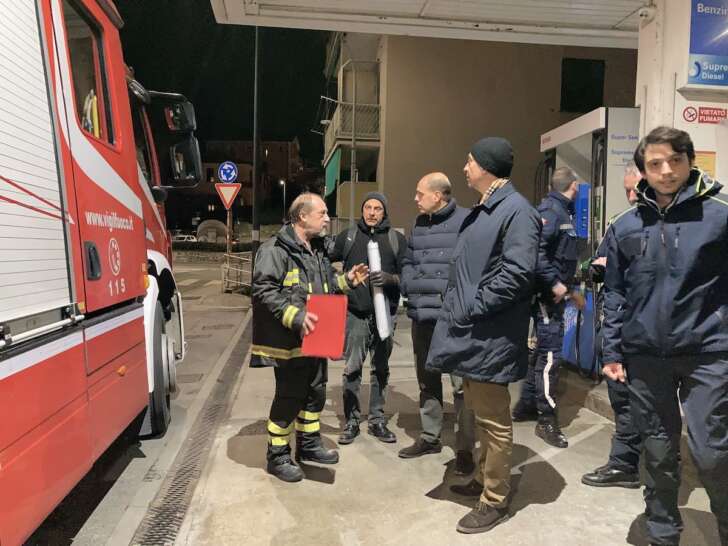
90, 316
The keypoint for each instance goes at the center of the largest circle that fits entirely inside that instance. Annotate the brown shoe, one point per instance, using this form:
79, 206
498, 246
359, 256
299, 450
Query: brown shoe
482, 518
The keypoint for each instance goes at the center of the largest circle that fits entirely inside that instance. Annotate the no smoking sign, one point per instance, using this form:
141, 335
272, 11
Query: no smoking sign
690, 114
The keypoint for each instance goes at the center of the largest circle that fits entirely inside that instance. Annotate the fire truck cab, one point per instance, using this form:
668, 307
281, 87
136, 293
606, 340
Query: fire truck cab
91, 324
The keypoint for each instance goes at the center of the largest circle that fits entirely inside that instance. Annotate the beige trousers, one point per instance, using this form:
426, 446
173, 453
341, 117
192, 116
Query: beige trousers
491, 404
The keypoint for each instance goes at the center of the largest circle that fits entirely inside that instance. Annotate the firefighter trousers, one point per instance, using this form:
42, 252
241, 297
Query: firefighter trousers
299, 399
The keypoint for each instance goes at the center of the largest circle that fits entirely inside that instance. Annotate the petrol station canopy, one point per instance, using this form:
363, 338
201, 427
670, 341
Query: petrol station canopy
595, 23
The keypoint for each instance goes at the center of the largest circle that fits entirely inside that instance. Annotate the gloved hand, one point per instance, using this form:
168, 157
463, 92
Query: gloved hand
381, 278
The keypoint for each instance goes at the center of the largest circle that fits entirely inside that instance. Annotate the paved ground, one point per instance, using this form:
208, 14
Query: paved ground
107, 506
371, 497
374, 498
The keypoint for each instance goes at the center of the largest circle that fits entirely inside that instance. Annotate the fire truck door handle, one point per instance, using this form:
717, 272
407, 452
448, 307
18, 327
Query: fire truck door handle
93, 261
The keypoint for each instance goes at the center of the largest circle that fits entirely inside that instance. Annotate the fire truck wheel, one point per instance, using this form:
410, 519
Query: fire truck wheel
159, 399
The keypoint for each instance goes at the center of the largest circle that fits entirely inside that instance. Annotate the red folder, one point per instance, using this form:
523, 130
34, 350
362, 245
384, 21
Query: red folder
327, 338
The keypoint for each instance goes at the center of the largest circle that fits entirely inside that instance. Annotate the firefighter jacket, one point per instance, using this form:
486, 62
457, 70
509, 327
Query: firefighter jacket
666, 285
557, 253
286, 272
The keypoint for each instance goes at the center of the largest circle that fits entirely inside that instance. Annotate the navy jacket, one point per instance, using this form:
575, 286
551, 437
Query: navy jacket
557, 254
426, 264
483, 327
666, 286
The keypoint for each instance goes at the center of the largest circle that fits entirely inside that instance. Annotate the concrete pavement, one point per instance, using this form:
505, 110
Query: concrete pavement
373, 497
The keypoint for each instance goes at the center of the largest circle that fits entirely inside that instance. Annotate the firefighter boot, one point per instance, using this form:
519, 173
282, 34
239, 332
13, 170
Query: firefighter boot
309, 447
281, 466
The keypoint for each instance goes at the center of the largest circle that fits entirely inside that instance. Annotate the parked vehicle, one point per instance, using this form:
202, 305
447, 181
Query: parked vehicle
91, 324
184, 239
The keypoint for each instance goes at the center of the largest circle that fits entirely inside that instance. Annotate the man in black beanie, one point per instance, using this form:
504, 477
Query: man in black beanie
362, 337
482, 331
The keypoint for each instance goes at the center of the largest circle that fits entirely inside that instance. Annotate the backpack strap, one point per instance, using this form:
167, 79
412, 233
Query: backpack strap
349, 243
393, 242
351, 235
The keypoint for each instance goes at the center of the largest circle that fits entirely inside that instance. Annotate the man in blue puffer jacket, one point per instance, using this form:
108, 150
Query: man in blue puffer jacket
665, 329
425, 270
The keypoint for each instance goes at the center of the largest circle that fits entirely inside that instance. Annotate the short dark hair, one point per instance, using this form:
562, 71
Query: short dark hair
562, 179
679, 140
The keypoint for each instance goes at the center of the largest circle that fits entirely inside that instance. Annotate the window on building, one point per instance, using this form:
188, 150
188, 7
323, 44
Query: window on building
85, 46
582, 85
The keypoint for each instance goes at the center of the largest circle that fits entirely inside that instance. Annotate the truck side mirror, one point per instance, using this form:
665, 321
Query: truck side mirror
186, 163
172, 119
180, 117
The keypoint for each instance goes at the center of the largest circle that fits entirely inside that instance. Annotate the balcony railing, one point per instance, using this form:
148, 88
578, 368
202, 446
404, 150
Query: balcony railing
343, 123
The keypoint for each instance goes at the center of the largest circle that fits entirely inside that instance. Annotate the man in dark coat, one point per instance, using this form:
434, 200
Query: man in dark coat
482, 331
665, 330
424, 279
362, 337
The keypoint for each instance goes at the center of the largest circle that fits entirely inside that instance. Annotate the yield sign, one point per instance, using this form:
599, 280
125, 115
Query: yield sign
227, 193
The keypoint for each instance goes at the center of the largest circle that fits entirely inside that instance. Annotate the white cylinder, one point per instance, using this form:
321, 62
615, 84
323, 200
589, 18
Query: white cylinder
381, 313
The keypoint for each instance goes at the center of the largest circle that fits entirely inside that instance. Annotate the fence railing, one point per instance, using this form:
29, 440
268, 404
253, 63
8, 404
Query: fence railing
236, 272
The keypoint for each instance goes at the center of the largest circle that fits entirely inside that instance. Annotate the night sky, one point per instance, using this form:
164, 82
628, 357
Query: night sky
177, 46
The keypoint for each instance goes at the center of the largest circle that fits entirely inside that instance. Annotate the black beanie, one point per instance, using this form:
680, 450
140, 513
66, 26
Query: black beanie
495, 155
378, 196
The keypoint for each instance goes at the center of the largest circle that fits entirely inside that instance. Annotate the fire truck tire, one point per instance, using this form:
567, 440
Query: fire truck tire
159, 405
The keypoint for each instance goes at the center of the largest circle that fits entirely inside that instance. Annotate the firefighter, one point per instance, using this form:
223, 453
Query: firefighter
557, 260
288, 267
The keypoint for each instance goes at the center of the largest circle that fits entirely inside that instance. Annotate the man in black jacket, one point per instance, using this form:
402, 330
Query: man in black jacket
362, 337
555, 271
622, 468
424, 279
665, 327
288, 267
482, 331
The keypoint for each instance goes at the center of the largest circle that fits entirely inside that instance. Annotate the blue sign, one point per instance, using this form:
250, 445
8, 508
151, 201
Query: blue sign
709, 42
581, 212
227, 172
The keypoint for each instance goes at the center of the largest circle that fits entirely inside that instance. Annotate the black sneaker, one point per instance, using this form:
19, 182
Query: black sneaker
482, 518
318, 455
283, 468
350, 432
419, 448
382, 433
550, 432
472, 489
524, 413
611, 477
464, 464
